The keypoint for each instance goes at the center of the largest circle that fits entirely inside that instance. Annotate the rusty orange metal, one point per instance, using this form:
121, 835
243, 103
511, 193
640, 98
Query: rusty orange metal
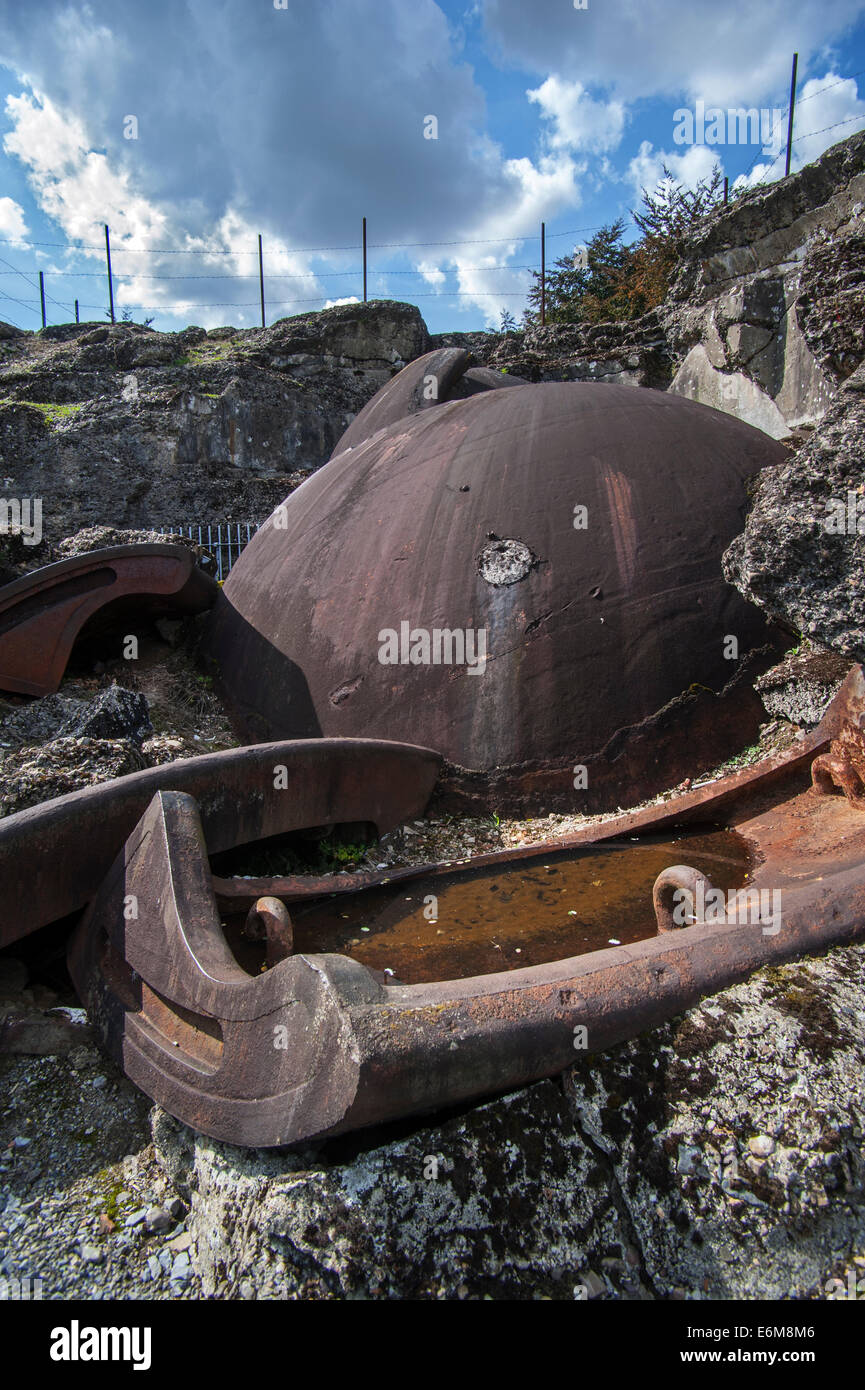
319, 1045
42, 613
54, 856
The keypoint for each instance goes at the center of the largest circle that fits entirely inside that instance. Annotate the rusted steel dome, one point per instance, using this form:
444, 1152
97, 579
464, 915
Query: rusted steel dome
570, 533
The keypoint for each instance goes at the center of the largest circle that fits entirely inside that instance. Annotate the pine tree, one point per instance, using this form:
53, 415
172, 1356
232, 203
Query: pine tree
620, 281
575, 293
666, 218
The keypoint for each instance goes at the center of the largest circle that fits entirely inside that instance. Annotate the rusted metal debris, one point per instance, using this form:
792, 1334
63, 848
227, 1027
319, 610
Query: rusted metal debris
54, 856
710, 802
42, 613
842, 766
317, 1045
606, 647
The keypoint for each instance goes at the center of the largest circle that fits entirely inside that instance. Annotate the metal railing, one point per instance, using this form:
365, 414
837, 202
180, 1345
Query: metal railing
225, 540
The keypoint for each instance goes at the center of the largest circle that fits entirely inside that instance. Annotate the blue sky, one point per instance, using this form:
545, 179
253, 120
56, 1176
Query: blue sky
192, 125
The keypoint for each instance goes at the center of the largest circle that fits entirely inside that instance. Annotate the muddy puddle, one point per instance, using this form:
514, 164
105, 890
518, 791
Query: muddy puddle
506, 917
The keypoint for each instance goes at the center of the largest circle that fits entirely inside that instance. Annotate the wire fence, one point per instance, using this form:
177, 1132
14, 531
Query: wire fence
799, 138
225, 541
356, 273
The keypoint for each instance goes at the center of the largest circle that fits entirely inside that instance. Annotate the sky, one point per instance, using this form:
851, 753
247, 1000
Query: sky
191, 127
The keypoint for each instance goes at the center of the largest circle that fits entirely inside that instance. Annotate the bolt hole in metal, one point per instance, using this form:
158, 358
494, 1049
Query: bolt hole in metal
479, 922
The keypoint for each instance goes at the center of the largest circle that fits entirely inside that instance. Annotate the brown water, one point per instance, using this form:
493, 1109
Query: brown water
507, 917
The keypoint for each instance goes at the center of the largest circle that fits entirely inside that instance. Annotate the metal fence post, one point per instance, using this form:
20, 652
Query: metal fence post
261, 277
108, 262
790, 121
543, 275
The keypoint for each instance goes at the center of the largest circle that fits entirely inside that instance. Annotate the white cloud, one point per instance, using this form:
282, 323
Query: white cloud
81, 190
828, 109
300, 159
431, 273
646, 169
840, 108
577, 121
299, 163
75, 185
735, 54
538, 192
13, 226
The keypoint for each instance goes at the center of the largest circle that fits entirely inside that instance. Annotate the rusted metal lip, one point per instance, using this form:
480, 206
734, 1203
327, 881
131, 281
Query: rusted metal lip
326, 781
711, 802
42, 613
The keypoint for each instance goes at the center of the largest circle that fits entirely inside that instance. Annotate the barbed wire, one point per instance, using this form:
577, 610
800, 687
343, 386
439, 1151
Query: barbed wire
281, 303
306, 275
828, 87
823, 129
120, 248
13, 270
800, 138
318, 276
801, 102
13, 300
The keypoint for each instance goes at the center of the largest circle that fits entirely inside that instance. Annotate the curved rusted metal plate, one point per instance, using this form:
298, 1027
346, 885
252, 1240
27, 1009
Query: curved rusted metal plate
42, 613
605, 649
318, 1046
477, 379
406, 394
445, 374
242, 797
